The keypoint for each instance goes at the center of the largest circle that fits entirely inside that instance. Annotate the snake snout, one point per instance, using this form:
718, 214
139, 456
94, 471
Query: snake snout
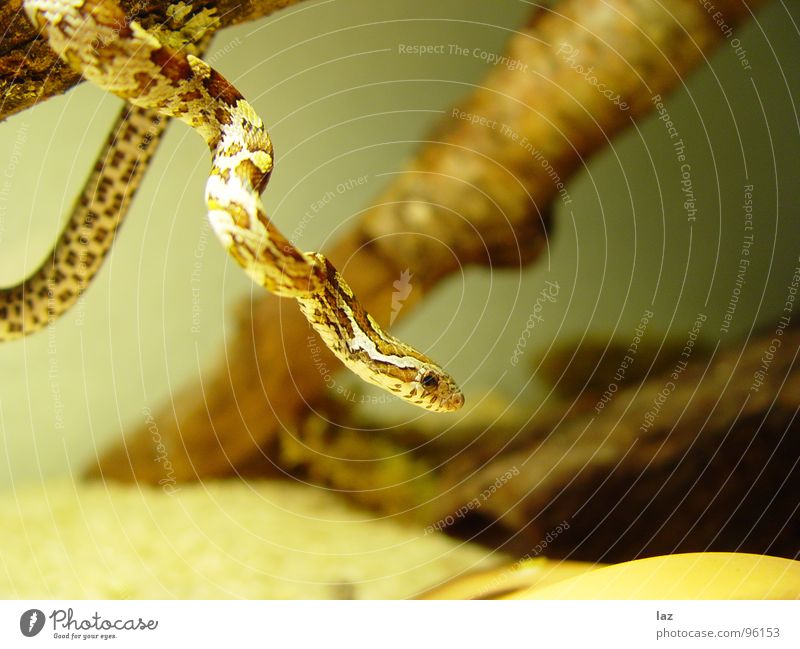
453, 402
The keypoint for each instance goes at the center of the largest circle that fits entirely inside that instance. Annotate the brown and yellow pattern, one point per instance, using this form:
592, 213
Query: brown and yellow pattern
96, 38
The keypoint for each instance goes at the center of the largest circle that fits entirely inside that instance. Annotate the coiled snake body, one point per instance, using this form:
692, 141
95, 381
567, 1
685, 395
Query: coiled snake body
95, 37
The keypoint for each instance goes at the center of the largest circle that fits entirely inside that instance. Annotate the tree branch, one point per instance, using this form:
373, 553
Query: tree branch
692, 471
31, 72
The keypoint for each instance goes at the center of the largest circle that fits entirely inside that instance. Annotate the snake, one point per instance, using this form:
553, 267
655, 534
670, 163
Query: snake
102, 205
60, 280
96, 38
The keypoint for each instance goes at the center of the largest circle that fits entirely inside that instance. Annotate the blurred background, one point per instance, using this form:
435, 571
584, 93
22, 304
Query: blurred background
345, 106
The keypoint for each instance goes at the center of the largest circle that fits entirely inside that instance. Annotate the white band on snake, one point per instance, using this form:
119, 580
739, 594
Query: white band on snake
95, 37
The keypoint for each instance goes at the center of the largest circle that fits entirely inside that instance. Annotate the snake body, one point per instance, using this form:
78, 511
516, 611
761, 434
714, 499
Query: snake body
95, 37
57, 284
100, 209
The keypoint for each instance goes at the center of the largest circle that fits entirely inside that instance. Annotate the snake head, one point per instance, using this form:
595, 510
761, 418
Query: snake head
370, 352
434, 390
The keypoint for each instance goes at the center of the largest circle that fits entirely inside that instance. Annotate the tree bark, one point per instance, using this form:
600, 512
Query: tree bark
704, 461
31, 72
713, 466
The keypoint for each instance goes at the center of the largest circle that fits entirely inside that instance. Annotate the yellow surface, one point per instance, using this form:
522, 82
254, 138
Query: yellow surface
493, 583
220, 540
702, 575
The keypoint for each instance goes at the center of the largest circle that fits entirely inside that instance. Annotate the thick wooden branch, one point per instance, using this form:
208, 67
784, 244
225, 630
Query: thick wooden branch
706, 460
477, 194
30, 71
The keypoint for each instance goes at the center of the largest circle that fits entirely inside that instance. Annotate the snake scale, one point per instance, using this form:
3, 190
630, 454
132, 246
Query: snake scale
96, 38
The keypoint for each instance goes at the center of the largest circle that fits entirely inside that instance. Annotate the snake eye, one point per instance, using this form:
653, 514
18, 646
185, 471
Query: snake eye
429, 381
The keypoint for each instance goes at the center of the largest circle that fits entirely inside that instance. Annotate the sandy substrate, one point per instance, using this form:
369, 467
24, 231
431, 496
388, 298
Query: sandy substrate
218, 540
